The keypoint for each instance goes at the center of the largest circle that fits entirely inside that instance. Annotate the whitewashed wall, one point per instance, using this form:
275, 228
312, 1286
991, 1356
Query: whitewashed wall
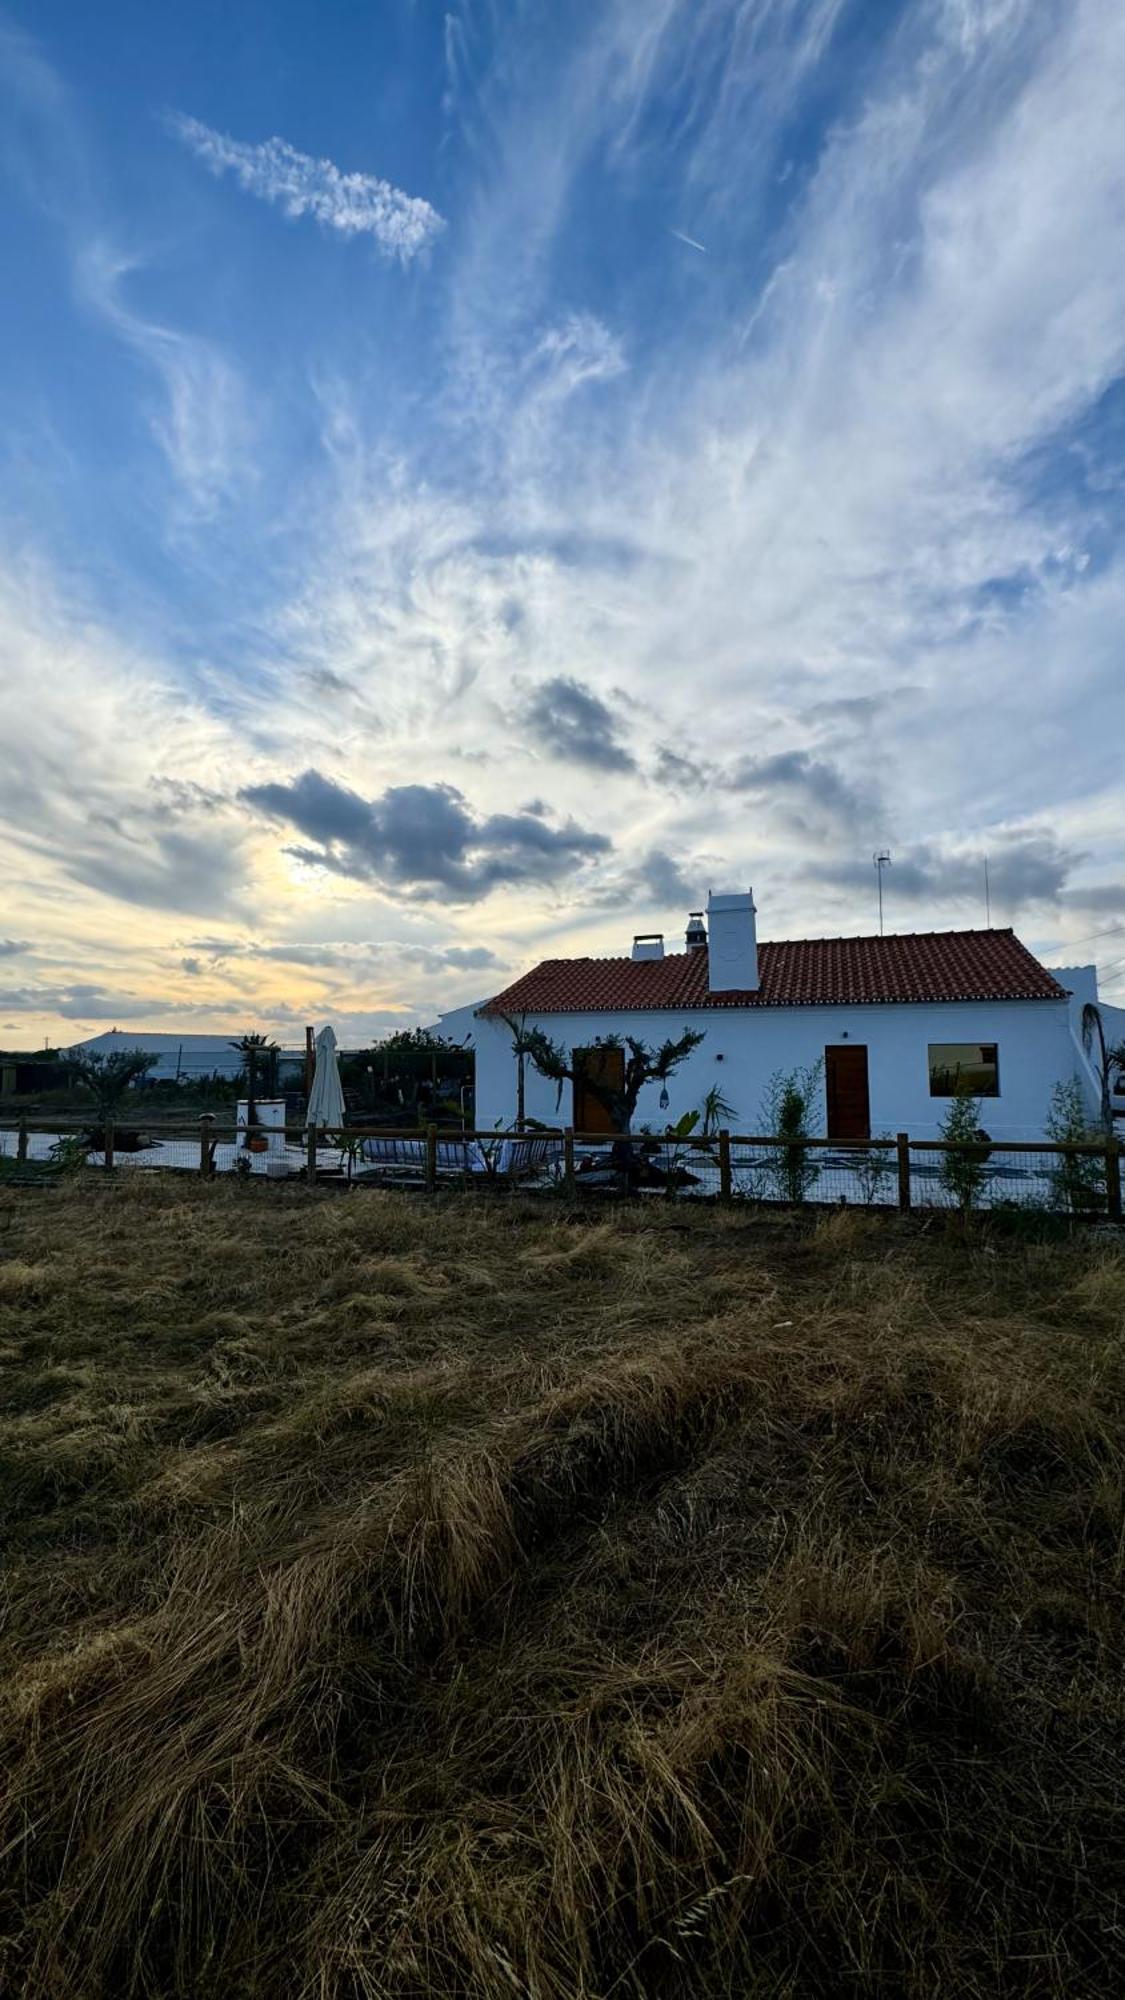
1034, 1037
1081, 982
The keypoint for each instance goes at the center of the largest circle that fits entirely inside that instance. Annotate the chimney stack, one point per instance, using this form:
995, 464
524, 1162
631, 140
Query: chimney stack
649, 944
732, 942
696, 934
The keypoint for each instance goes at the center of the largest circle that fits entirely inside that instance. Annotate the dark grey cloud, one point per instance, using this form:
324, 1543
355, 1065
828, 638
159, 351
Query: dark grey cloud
861, 711
656, 882
1025, 867
192, 966
80, 1002
331, 955
812, 793
574, 723
470, 958
809, 792
12, 947
422, 838
682, 773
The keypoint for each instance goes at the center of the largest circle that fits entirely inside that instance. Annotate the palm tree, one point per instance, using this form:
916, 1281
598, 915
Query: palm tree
254, 1049
108, 1078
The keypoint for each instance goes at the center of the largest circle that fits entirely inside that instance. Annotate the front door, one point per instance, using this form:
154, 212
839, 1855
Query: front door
607, 1067
845, 1081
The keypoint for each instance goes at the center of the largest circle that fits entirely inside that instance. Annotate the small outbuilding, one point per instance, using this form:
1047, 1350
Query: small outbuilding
898, 1025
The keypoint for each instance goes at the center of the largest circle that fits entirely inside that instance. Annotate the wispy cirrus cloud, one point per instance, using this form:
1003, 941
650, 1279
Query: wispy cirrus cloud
202, 424
355, 204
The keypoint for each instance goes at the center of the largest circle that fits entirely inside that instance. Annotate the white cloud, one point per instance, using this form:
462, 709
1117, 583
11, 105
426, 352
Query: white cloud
581, 349
732, 535
203, 424
355, 204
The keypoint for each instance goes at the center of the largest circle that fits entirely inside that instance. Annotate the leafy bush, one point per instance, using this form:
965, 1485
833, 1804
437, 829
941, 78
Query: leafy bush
1077, 1179
791, 1170
874, 1168
963, 1167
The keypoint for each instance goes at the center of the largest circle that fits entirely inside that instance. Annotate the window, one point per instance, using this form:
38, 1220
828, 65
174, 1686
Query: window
971, 1067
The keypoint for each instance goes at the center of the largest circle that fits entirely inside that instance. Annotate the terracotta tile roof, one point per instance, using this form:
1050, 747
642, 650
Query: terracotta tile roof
802, 972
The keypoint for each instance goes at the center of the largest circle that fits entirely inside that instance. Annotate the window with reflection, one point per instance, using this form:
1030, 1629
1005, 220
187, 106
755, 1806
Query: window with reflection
969, 1069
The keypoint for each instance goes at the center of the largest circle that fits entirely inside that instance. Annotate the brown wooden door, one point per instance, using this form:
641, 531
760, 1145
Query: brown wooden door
845, 1081
607, 1067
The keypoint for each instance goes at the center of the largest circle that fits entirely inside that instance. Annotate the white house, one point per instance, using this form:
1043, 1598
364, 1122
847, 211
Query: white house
180, 1058
897, 1023
1081, 983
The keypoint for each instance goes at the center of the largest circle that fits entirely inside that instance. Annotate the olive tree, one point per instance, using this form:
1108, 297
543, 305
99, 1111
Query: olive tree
642, 1065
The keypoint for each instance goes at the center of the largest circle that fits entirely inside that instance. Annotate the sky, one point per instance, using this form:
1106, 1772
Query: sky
475, 476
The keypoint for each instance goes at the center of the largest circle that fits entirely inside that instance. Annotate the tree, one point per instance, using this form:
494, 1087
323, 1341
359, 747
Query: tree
963, 1165
1104, 1059
1077, 1179
642, 1065
108, 1078
787, 1110
258, 1053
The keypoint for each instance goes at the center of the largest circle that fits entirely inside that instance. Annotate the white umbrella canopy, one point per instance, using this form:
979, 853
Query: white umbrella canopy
326, 1098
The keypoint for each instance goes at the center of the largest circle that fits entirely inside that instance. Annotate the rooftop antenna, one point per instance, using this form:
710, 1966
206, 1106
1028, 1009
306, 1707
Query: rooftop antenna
880, 861
987, 897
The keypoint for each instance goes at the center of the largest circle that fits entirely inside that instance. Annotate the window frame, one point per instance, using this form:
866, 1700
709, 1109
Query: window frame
981, 1047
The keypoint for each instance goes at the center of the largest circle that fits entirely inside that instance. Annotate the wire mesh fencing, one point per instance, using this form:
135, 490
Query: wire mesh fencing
1079, 1181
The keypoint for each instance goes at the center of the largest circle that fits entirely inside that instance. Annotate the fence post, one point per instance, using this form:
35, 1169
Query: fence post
108, 1136
21, 1138
1113, 1180
724, 1166
310, 1155
903, 1144
431, 1158
568, 1161
206, 1128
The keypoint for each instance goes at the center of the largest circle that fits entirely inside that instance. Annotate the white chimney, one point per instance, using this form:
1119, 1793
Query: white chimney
732, 942
695, 935
650, 944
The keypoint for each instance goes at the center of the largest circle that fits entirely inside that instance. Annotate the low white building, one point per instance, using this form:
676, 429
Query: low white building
897, 1023
180, 1058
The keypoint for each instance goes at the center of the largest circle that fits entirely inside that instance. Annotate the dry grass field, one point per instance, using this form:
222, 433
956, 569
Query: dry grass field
464, 1598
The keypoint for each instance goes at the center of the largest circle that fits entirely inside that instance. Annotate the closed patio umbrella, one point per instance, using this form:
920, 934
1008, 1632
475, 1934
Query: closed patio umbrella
326, 1098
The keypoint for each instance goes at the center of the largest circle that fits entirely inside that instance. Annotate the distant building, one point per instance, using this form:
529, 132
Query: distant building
182, 1058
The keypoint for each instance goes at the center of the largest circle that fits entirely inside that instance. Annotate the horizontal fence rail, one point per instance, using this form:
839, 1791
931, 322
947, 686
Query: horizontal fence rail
1081, 1179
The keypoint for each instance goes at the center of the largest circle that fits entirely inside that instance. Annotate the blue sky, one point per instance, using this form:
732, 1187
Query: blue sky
473, 477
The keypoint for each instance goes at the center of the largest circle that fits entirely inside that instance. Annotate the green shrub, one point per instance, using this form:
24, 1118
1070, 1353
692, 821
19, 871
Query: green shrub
792, 1170
963, 1166
1077, 1179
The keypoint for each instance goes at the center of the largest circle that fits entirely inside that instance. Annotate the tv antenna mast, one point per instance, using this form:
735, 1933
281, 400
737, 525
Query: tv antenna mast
880, 861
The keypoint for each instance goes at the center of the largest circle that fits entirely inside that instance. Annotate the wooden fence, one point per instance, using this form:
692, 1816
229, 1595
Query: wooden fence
880, 1172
